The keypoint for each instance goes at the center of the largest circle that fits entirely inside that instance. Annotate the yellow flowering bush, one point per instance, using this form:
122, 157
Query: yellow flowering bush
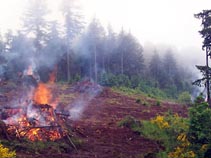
160, 121
182, 150
5, 153
204, 147
171, 131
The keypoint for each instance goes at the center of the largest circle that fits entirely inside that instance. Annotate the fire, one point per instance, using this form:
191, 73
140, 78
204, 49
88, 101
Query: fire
35, 118
33, 126
42, 94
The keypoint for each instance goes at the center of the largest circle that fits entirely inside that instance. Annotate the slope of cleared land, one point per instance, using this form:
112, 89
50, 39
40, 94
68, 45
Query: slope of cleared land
97, 123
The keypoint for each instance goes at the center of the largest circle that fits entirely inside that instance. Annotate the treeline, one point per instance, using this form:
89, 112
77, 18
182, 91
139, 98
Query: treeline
76, 51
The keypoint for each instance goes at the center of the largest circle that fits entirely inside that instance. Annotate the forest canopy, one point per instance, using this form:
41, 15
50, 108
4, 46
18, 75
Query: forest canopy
76, 50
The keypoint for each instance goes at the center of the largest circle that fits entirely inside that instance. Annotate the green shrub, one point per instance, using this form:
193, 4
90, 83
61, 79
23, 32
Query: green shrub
184, 97
145, 103
166, 130
123, 80
169, 130
108, 79
134, 81
158, 103
199, 133
150, 89
129, 122
138, 101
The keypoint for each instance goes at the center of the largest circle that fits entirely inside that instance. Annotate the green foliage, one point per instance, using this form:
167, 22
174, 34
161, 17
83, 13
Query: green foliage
39, 147
123, 80
129, 122
138, 101
74, 79
171, 91
127, 91
158, 103
42, 147
146, 103
135, 80
114, 80
108, 79
184, 97
164, 129
199, 133
148, 87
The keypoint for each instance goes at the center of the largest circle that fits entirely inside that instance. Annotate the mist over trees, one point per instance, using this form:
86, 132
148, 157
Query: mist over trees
76, 50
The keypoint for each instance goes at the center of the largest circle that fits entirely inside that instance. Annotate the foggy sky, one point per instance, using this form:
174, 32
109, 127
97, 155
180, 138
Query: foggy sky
168, 22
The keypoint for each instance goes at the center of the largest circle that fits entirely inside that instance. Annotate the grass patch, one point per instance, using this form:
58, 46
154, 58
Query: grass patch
127, 91
66, 98
140, 92
113, 101
42, 147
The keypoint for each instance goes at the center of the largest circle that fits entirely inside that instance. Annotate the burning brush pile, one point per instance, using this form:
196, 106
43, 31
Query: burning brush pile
34, 116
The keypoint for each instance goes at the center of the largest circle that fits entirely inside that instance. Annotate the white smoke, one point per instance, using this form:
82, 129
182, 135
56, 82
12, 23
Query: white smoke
77, 108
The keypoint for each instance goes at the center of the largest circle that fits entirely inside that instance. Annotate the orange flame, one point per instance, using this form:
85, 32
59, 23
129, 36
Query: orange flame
42, 94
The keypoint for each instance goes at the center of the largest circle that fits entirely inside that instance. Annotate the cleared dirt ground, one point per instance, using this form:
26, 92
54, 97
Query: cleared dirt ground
97, 127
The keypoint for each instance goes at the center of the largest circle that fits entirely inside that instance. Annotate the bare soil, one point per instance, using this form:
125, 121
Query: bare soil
98, 127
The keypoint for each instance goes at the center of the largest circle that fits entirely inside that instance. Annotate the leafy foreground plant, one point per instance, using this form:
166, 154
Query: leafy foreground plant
199, 133
165, 129
170, 131
6, 153
181, 137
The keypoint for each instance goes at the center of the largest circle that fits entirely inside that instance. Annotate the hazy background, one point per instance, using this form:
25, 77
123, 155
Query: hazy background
154, 22
157, 24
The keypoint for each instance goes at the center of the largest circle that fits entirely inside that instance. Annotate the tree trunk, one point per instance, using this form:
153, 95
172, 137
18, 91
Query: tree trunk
103, 63
90, 69
207, 76
68, 66
95, 63
108, 65
122, 64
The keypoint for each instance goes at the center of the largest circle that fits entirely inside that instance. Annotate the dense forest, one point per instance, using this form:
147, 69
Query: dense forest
76, 50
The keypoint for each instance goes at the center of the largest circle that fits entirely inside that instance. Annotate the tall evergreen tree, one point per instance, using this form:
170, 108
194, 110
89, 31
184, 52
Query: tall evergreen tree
156, 68
169, 68
205, 15
110, 46
95, 34
73, 26
129, 53
35, 25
